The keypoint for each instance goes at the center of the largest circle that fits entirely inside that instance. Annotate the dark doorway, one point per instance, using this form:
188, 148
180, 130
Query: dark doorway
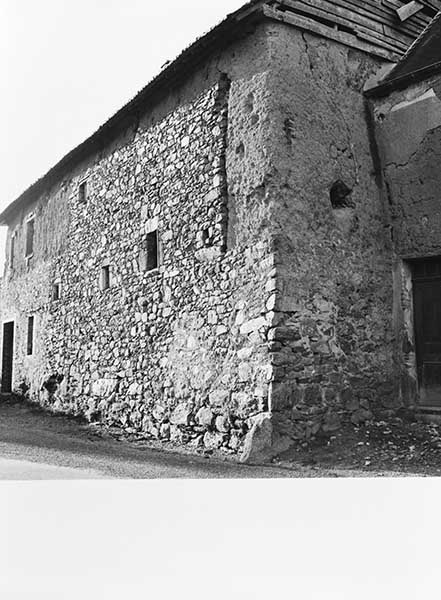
7, 357
427, 321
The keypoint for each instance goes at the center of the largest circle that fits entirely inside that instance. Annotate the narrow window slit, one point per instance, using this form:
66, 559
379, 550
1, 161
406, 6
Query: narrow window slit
30, 237
30, 339
205, 237
152, 248
82, 192
105, 277
56, 291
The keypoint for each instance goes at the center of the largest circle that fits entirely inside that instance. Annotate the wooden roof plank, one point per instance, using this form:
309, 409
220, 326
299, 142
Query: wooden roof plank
389, 43
388, 17
334, 13
348, 39
408, 10
374, 31
387, 13
405, 39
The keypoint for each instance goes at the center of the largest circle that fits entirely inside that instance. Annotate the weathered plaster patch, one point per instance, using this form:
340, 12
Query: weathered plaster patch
429, 94
404, 125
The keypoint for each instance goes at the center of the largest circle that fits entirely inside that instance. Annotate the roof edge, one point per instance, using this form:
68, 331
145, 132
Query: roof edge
417, 43
218, 37
398, 83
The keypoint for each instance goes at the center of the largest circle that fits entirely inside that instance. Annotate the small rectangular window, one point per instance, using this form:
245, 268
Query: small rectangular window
30, 237
105, 277
56, 291
30, 341
152, 250
82, 192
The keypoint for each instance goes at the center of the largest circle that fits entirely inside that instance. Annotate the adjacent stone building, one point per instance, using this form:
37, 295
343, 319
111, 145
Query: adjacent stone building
214, 265
407, 113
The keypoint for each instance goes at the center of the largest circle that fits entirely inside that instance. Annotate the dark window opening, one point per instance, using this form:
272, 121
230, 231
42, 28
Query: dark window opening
7, 357
105, 277
30, 237
206, 237
56, 291
340, 195
30, 342
152, 251
82, 192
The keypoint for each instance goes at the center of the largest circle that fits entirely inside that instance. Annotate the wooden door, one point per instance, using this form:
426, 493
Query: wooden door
427, 322
7, 356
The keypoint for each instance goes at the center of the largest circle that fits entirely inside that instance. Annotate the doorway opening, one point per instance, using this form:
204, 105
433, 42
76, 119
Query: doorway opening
7, 357
426, 283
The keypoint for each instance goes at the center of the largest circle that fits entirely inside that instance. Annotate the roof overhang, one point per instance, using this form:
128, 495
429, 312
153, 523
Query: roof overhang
399, 83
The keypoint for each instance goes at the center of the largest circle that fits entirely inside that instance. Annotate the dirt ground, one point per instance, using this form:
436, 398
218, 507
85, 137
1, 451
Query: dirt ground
399, 445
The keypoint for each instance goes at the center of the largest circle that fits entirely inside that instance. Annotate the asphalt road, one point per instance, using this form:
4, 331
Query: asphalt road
36, 445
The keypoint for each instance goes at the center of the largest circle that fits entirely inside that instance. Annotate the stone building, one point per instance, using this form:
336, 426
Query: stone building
214, 265
407, 114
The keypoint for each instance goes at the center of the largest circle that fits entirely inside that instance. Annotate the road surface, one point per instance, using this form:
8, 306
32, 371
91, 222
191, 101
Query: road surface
37, 445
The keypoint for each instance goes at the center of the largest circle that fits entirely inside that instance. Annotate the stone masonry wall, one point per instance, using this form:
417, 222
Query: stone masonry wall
331, 347
408, 129
178, 352
269, 318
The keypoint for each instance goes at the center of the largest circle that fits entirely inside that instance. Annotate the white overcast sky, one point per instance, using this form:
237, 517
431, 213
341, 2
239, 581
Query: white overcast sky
68, 65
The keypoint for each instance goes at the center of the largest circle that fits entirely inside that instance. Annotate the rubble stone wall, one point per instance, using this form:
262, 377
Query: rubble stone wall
177, 352
269, 317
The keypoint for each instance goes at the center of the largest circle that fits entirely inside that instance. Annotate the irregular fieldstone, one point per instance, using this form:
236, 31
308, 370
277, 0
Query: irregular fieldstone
263, 442
104, 387
204, 417
332, 422
223, 424
213, 440
258, 442
181, 415
164, 431
361, 416
253, 325
218, 398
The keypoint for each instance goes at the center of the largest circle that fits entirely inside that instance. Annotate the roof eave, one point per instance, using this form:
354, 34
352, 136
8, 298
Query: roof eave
399, 83
217, 38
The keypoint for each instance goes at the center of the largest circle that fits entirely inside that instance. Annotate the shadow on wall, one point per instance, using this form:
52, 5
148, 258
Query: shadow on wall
3, 233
